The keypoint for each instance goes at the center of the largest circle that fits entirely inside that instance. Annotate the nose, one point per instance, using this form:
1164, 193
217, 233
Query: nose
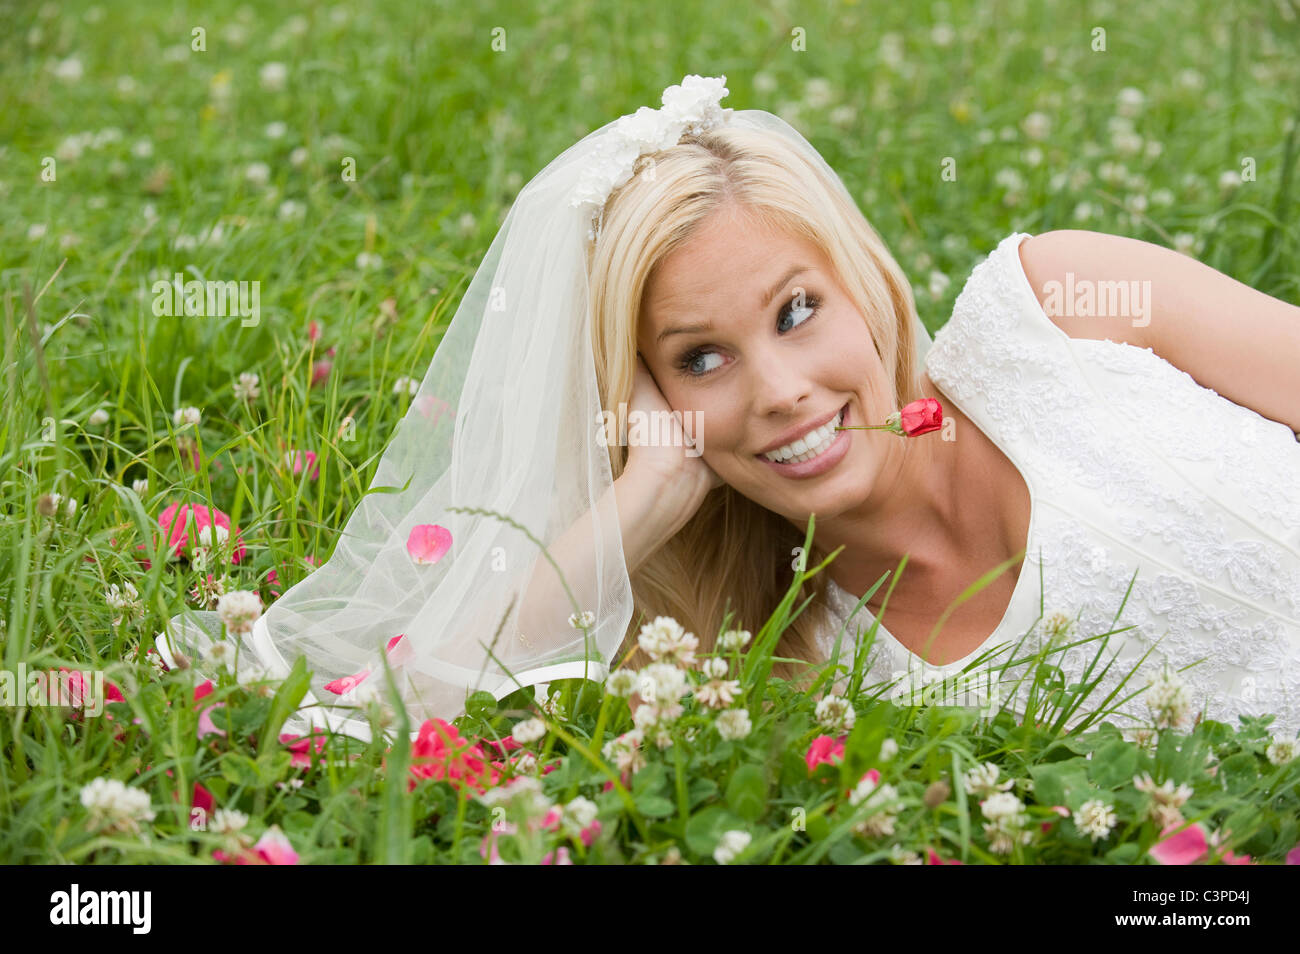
782, 390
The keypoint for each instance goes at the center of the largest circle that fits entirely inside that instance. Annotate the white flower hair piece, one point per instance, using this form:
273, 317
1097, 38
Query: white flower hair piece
689, 107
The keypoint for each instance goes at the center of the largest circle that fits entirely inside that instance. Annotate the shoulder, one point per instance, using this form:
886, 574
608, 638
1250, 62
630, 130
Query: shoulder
1075, 274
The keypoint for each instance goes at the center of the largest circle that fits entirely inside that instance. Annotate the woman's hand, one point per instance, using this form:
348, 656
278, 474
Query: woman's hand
668, 466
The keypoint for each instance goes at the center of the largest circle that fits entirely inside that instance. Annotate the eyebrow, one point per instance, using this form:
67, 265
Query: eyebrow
767, 300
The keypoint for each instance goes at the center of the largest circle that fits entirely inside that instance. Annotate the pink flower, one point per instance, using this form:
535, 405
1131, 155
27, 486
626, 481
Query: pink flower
921, 417
175, 523
347, 683
1293, 856
399, 652
440, 753
1183, 848
304, 746
307, 459
206, 726
428, 542
320, 370
273, 577
560, 856
273, 848
933, 859
313, 330
508, 744
824, 749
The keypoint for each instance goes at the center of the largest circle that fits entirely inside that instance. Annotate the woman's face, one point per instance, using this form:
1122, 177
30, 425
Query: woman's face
764, 372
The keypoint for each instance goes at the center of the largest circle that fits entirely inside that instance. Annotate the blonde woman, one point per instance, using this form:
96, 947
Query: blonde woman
704, 266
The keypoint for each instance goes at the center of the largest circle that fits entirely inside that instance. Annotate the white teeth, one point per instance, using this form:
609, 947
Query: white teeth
809, 446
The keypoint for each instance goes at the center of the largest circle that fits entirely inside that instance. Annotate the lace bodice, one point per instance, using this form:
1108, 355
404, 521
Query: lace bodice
1131, 466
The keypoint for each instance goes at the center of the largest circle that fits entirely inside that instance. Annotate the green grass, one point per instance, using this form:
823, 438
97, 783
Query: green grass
151, 177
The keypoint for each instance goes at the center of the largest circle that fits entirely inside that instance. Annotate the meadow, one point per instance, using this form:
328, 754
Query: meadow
355, 162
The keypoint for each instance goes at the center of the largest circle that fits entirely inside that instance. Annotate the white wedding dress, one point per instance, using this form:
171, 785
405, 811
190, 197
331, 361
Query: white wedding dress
1131, 466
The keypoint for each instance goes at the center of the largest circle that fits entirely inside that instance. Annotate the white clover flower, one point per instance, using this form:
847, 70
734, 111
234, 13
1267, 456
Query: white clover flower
228, 821
553, 707
621, 683
888, 749
125, 602
405, 385
586, 620
666, 640
1037, 125
1006, 820
525, 763
213, 535
1095, 818
1001, 840
522, 791
657, 716
98, 417
731, 844
718, 693
715, 668
246, 389
299, 156
835, 714
1229, 179
291, 210
1001, 806
220, 653
734, 724
36, 232
529, 731
661, 682
275, 130
982, 780
258, 173
142, 149
903, 856
580, 812
1168, 700
186, 415
939, 283
883, 799
239, 610
273, 76
1281, 751
734, 639
1130, 101
370, 260
69, 70
625, 751
251, 673
114, 807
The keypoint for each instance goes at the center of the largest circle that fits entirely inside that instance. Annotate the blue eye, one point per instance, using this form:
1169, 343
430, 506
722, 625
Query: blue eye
789, 318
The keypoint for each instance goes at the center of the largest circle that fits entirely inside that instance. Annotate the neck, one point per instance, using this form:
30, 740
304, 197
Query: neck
911, 510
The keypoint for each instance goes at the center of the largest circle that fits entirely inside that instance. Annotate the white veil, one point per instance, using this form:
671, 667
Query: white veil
506, 419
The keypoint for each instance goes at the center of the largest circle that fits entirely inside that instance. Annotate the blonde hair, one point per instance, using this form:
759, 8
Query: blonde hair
734, 554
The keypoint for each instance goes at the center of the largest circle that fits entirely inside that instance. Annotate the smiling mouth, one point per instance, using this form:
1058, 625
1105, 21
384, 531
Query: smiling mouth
812, 445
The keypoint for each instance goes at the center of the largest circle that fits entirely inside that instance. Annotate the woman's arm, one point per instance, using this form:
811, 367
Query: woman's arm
1231, 338
649, 513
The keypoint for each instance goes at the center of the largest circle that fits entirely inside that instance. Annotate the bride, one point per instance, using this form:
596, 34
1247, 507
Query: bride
1127, 470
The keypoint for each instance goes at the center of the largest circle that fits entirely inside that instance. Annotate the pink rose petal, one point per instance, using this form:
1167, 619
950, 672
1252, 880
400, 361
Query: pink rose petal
428, 542
1183, 848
